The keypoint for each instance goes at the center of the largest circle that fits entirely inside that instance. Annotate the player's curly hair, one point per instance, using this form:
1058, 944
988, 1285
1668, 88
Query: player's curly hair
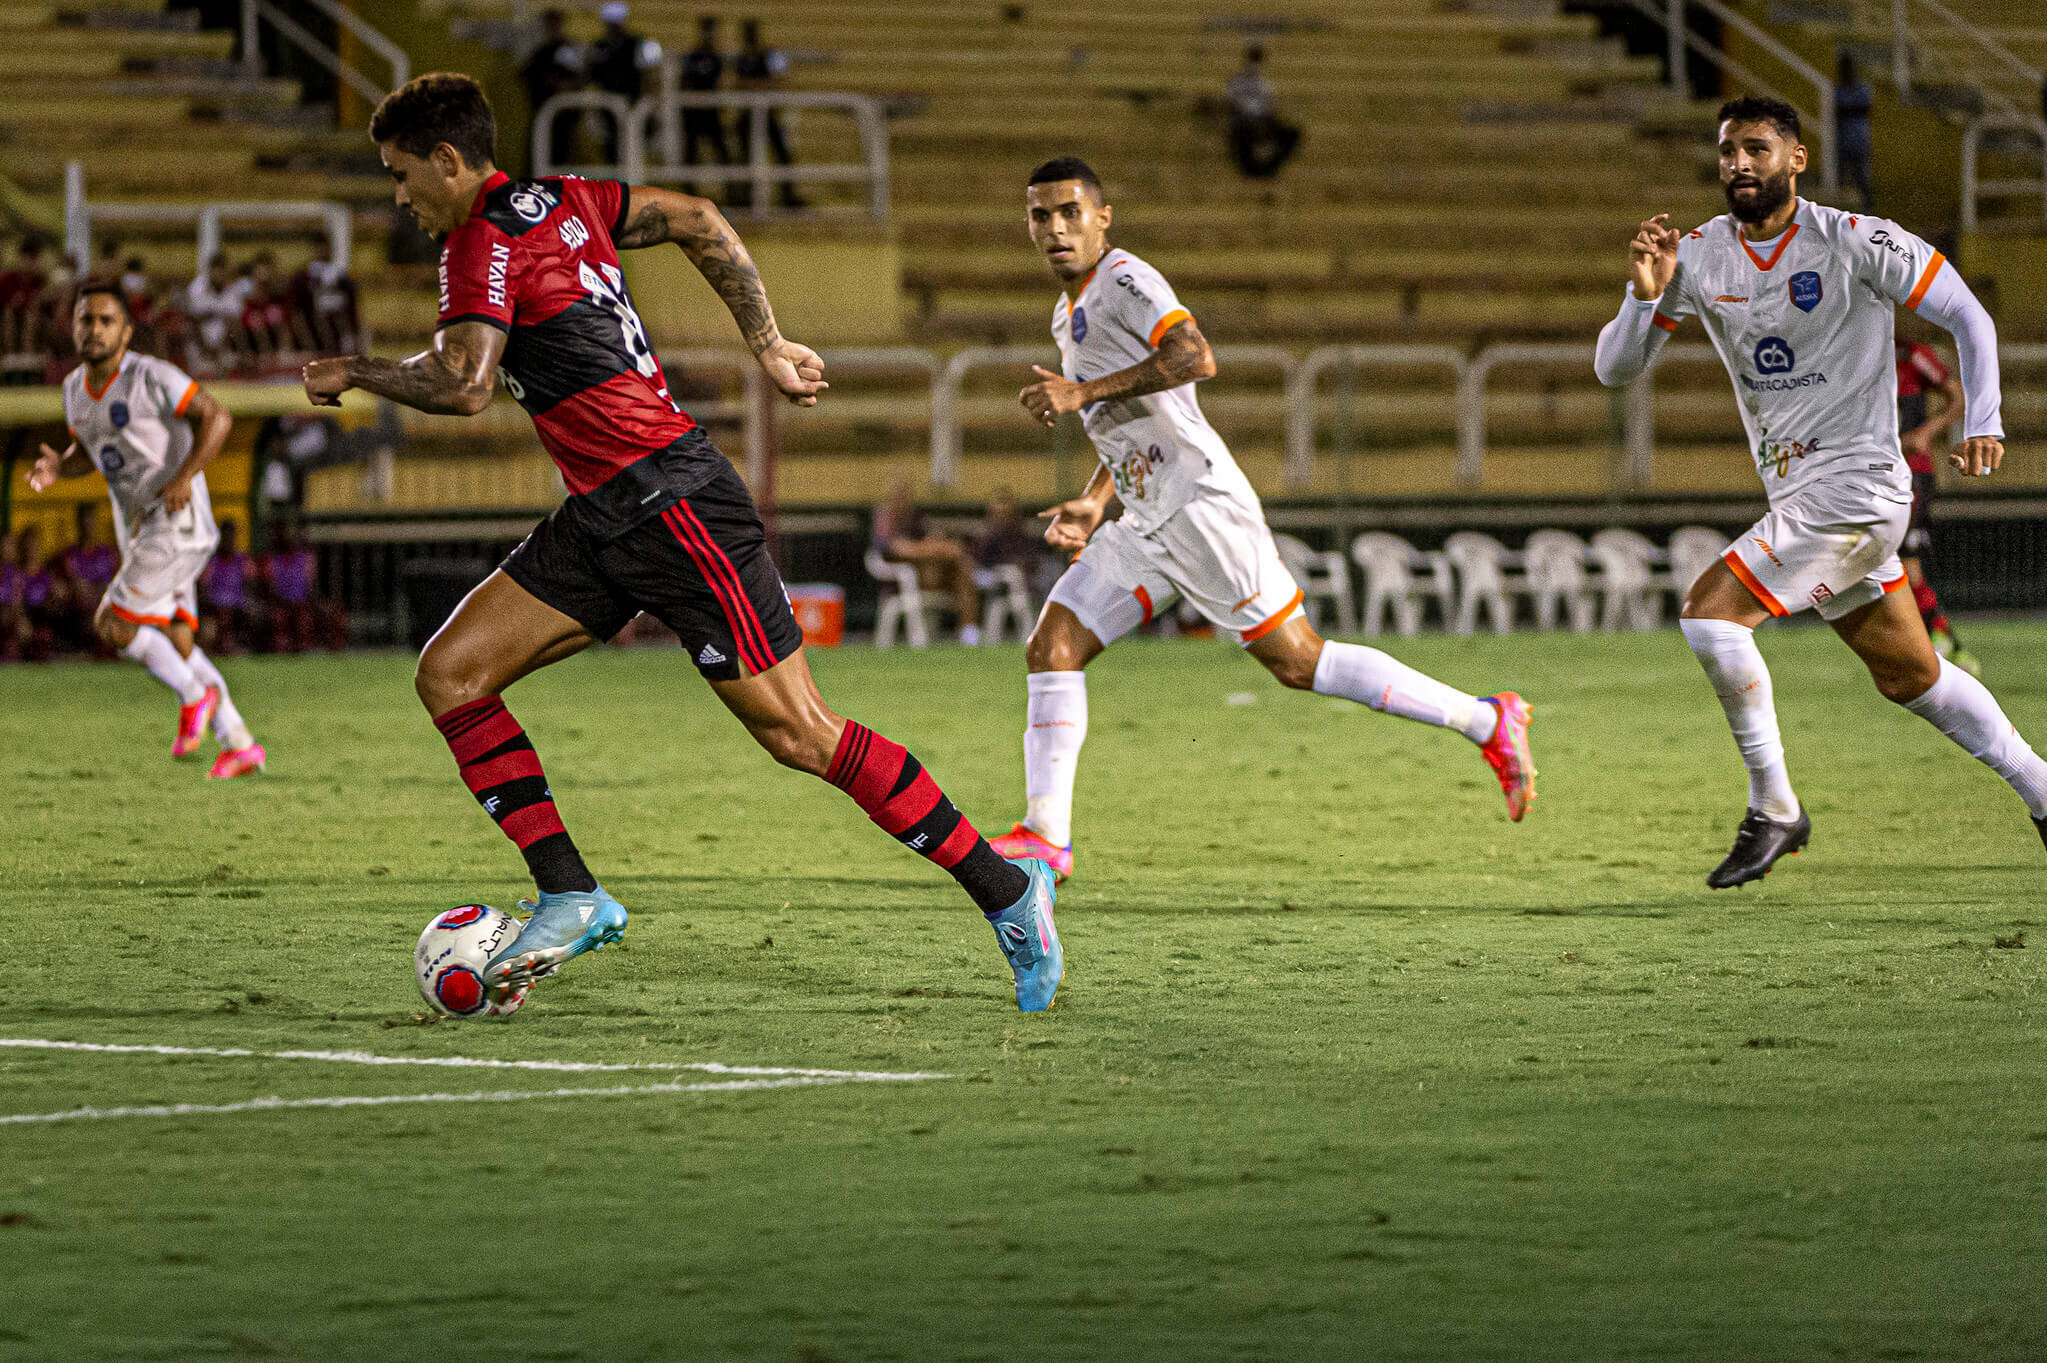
441, 106
1762, 109
1067, 168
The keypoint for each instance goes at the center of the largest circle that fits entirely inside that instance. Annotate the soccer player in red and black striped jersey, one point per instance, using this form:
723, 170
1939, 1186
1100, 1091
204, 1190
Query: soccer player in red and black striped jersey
656, 519
1920, 374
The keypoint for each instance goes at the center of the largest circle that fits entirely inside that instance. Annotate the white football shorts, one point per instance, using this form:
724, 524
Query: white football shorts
1813, 553
1215, 551
159, 577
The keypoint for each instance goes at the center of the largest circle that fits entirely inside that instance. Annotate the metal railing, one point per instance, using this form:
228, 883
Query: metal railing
256, 13
81, 213
1975, 189
656, 124
1301, 409
1817, 114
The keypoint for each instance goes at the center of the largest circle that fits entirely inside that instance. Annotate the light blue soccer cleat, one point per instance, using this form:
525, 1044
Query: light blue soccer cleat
1026, 934
563, 927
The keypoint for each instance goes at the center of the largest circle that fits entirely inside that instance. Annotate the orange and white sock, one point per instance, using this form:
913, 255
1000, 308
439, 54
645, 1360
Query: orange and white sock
1383, 682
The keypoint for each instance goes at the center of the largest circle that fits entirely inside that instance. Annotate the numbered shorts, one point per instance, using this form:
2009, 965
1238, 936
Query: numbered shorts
1215, 551
159, 577
700, 567
1801, 557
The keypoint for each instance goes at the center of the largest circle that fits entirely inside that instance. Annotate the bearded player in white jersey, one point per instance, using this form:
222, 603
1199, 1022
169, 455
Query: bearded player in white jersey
1798, 299
132, 416
1191, 526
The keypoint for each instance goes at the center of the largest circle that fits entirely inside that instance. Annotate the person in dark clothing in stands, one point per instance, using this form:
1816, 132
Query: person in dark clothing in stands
702, 66
554, 67
618, 63
757, 68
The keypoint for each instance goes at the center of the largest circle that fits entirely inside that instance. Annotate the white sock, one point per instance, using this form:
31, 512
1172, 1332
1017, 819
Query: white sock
1057, 725
227, 721
1390, 686
153, 649
1962, 708
1740, 678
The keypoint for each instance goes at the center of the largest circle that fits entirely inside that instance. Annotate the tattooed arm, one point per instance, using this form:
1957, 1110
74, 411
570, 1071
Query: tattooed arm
654, 216
1182, 356
455, 377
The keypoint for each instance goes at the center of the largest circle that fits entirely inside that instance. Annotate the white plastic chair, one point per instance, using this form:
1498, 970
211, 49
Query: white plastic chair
1482, 566
1006, 600
1322, 577
905, 607
1693, 549
1631, 598
1390, 567
1555, 564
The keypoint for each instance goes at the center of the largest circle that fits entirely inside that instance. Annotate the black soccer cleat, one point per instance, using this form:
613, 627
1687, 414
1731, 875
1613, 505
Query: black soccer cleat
1757, 847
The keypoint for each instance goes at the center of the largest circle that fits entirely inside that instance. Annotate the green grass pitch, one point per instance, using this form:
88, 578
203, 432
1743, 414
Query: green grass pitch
1345, 1065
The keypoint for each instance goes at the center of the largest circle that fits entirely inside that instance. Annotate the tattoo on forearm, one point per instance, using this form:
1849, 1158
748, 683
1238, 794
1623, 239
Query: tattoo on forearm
1180, 358
432, 381
721, 258
649, 227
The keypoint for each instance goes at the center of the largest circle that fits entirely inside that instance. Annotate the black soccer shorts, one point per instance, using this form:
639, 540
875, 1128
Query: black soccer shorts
700, 567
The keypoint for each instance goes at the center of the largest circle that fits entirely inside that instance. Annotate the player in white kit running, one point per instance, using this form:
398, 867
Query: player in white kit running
132, 416
1191, 525
1798, 299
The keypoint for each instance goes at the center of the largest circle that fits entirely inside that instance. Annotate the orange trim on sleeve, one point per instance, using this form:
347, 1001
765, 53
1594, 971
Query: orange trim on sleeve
1167, 323
1143, 598
1272, 621
186, 401
132, 618
1896, 584
1667, 323
1748, 580
1925, 281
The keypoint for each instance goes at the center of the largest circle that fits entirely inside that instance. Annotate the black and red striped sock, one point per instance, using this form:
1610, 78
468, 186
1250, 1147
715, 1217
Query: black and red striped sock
503, 772
1929, 608
900, 796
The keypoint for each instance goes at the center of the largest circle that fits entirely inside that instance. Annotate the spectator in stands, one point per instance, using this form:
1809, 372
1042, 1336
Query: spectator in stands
1853, 100
224, 590
139, 295
21, 326
214, 301
702, 66
759, 67
37, 595
298, 617
555, 66
619, 61
53, 321
1004, 539
942, 562
324, 303
1260, 141
83, 571
266, 312
14, 630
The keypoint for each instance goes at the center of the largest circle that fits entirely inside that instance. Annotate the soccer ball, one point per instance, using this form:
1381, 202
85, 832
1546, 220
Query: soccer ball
452, 952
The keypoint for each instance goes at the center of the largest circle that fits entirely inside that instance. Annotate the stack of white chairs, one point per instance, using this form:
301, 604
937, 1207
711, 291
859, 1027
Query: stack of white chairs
1006, 600
1693, 549
1554, 561
906, 608
1631, 594
1324, 578
1487, 575
1398, 577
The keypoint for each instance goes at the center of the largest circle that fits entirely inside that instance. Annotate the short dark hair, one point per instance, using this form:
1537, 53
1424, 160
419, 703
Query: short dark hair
438, 107
111, 288
1762, 109
1067, 168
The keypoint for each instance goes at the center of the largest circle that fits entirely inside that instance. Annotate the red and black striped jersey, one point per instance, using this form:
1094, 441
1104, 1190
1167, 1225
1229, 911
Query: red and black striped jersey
537, 260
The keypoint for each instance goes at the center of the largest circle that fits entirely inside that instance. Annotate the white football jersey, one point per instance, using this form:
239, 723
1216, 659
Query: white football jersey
1159, 448
1804, 324
135, 432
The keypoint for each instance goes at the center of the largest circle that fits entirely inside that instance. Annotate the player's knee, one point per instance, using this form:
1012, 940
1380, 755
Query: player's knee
112, 629
443, 683
1292, 671
1904, 682
800, 747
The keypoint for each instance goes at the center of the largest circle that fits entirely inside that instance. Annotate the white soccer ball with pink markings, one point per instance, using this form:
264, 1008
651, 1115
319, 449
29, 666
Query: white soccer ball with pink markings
451, 955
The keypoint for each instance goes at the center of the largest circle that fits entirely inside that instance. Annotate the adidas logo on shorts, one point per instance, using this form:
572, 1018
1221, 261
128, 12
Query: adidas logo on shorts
710, 655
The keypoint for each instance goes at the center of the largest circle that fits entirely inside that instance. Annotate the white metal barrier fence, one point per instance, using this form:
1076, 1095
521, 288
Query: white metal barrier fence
81, 213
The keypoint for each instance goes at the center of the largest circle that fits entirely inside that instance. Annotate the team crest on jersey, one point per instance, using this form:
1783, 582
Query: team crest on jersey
1773, 356
1079, 325
1805, 290
531, 202
118, 414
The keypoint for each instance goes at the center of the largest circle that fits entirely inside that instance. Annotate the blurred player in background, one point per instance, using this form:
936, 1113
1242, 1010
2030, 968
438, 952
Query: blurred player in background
1798, 299
1191, 525
1921, 375
656, 520
132, 417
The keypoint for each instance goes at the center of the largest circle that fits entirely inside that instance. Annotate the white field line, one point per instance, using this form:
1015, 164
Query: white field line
463, 1062
487, 1096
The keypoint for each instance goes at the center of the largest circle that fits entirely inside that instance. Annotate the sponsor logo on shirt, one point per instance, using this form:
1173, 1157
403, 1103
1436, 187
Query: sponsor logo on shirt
1773, 356
1882, 238
573, 233
1732, 298
500, 264
1781, 453
1822, 594
531, 202
1768, 552
1806, 290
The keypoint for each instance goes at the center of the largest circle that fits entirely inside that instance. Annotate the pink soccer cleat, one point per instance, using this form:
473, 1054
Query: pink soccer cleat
1020, 844
234, 762
192, 722
1506, 752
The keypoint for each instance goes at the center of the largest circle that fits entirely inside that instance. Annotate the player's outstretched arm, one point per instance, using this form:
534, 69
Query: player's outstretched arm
71, 462
1628, 344
1182, 356
456, 377
213, 423
654, 216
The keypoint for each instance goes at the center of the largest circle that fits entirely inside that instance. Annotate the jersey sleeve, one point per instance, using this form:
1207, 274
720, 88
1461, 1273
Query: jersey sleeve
608, 201
1145, 303
1892, 261
172, 388
1676, 303
479, 275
